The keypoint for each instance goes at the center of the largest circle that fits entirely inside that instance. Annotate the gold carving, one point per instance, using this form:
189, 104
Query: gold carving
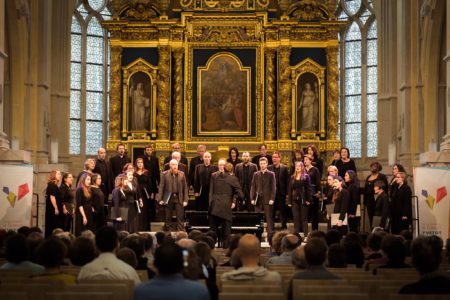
270, 95
163, 105
177, 117
222, 34
309, 10
114, 108
140, 35
224, 5
333, 92
140, 10
284, 93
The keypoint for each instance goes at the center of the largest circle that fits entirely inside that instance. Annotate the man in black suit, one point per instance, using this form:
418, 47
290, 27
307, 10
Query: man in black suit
382, 208
223, 191
262, 192
201, 149
244, 172
117, 162
176, 147
426, 252
151, 163
262, 153
173, 194
202, 179
281, 177
181, 166
102, 168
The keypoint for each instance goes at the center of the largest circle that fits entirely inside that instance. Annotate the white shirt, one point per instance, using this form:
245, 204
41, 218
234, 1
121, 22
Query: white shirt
108, 266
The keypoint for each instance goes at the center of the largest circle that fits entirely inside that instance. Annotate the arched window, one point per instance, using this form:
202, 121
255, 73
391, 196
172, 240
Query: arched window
89, 79
358, 78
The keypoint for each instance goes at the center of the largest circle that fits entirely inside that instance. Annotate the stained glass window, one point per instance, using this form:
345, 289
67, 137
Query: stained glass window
358, 78
89, 74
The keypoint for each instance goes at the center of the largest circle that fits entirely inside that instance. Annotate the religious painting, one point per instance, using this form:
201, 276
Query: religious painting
308, 103
224, 102
139, 105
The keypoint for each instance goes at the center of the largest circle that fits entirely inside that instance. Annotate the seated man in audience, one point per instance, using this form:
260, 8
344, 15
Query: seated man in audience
393, 248
16, 255
426, 258
107, 266
169, 283
315, 255
249, 251
298, 258
288, 245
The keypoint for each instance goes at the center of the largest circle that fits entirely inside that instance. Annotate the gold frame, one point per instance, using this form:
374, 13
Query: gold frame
206, 68
308, 66
139, 65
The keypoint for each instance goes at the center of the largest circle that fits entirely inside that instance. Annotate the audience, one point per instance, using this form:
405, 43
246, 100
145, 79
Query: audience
82, 251
249, 251
128, 256
288, 245
17, 254
298, 258
426, 258
333, 236
169, 283
336, 256
353, 249
107, 266
393, 249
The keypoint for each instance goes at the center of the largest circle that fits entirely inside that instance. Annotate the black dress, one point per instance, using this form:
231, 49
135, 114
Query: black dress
86, 203
146, 188
132, 195
98, 201
401, 205
343, 167
52, 221
68, 200
299, 192
369, 194
119, 200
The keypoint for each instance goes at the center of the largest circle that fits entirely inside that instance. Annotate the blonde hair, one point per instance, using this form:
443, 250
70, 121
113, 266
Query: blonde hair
82, 184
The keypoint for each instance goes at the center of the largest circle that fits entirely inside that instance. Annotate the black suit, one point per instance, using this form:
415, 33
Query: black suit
262, 191
401, 205
369, 194
382, 209
202, 179
341, 208
102, 168
256, 158
299, 193
245, 173
281, 177
183, 160
223, 191
116, 164
313, 211
354, 201
151, 163
194, 162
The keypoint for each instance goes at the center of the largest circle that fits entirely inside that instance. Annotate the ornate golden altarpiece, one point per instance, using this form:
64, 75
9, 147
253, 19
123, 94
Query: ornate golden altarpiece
223, 73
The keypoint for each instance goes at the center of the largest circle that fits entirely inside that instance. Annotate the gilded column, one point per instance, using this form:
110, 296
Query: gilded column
163, 105
270, 95
114, 94
333, 92
177, 116
284, 94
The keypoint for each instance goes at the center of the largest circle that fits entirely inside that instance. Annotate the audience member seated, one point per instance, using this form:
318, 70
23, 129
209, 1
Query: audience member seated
374, 244
317, 234
34, 239
148, 248
288, 244
186, 243
248, 251
51, 254
169, 283
232, 245
426, 258
353, 250
82, 251
17, 253
194, 234
315, 255
181, 235
333, 236
298, 258
208, 265
336, 256
107, 266
128, 256
408, 236
276, 242
136, 243
393, 249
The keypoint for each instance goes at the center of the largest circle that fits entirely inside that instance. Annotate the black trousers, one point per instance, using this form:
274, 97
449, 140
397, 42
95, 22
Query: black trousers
174, 204
202, 201
280, 205
245, 204
353, 224
397, 224
224, 234
313, 213
268, 214
300, 213
370, 206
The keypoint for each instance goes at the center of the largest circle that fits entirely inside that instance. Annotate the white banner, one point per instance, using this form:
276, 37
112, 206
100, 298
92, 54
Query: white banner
432, 186
16, 193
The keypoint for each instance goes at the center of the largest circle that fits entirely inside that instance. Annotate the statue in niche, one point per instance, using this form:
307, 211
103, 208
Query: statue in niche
307, 109
140, 101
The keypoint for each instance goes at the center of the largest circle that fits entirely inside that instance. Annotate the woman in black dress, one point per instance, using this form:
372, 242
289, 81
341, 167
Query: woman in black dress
345, 163
299, 197
341, 200
53, 203
351, 180
134, 201
84, 210
401, 205
98, 201
146, 189
314, 176
369, 194
68, 201
393, 185
119, 201
317, 161
233, 157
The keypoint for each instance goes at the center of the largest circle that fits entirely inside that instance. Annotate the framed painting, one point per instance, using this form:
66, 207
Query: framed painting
139, 99
308, 99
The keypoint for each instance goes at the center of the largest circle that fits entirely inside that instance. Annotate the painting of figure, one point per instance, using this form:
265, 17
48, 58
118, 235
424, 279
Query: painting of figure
224, 96
139, 101
307, 102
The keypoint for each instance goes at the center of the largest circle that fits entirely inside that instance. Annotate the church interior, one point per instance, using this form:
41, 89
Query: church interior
368, 76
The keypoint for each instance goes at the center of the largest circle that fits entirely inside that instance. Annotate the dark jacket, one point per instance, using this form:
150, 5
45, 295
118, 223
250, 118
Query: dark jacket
195, 161
202, 179
265, 190
102, 168
183, 160
303, 195
282, 180
314, 177
181, 166
255, 159
116, 164
151, 163
382, 208
354, 198
239, 171
341, 204
223, 191
164, 186
401, 202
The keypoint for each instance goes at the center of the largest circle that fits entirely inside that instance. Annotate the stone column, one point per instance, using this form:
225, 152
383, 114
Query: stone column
163, 105
333, 92
270, 95
4, 143
114, 96
284, 94
177, 117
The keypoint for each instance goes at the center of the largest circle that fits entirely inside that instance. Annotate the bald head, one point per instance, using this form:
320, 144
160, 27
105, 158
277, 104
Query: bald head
298, 258
289, 243
186, 243
249, 246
